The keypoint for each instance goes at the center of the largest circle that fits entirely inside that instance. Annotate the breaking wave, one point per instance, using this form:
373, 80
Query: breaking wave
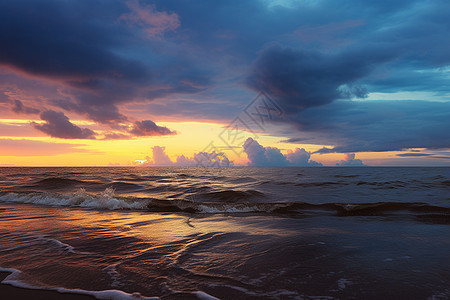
80, 198
227, 202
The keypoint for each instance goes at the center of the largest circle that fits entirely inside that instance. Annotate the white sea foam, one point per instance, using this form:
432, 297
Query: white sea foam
64, 247
204, 296
199, 294
18, 247
114, 274
12, 279
343, 283
105, 200
14, 273
226, 209
277, 294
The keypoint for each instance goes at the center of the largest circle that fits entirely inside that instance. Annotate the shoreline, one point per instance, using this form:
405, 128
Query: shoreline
11, 292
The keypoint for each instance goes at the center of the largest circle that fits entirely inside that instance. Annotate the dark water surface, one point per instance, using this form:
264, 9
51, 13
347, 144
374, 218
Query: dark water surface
229, 233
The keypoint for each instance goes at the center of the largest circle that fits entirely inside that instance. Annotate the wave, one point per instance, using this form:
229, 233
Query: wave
56, 183
232, 195
365, 209
124, 186
43, 240
65, 184
222, 204
81, 198
339, 209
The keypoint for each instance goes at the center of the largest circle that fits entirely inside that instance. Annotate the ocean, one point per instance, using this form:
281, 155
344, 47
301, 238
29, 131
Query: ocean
228, 233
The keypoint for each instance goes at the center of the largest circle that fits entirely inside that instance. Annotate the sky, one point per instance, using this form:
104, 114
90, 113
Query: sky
257, 83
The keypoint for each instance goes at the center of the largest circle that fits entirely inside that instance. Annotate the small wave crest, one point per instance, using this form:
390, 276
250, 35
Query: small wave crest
80, 198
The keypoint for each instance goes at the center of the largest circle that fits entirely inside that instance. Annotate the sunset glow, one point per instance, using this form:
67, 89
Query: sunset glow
92, 90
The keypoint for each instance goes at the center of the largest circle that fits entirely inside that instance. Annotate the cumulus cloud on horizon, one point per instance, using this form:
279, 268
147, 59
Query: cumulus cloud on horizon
350, 161
200, 159
260, 156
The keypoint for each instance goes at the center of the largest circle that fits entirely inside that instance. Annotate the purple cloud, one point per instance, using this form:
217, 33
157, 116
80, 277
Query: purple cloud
59, 126
19, 108
149, 128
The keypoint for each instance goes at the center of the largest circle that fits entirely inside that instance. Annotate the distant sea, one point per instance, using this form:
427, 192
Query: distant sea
228, 233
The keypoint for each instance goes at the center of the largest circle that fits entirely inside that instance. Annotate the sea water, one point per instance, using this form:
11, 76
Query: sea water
228, 233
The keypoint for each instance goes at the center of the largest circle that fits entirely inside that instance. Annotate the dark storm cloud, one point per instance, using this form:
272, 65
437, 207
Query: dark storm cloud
310, 83
149, 128
19, 108
294, 140
300, 78
101, 58
59, 126
103, 113
354, 126
62, 40
413, 154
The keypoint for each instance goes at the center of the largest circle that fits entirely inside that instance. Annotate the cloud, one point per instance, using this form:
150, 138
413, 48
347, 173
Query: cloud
3, 97
116, 136
149, 128
153, 22
205, 159
294, 140
260, 156
300, 158
200, 159
413, 154
300, 78
19, 108
59, 126
350, 161
48, 39
375, 126
160, 158
24, 147
96, 61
